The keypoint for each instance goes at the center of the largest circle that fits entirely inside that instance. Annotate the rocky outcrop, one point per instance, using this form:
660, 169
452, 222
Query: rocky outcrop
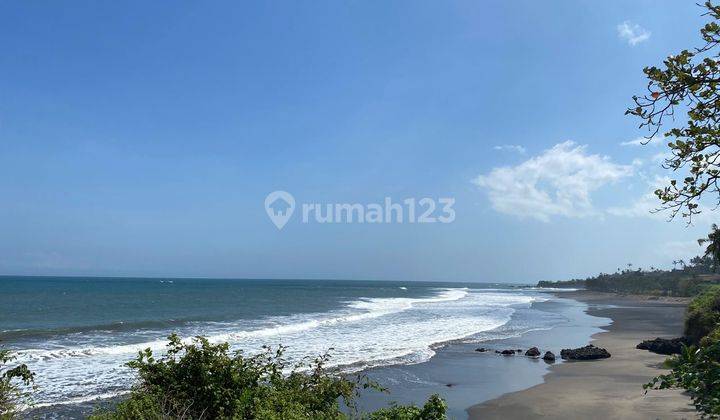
481, 349
506, 352
549, 356
588, 352
533, 352
663, 345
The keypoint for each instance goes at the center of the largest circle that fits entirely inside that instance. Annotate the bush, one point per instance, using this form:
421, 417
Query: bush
434, 409
697, 368
703, 315
200, 380
11, 381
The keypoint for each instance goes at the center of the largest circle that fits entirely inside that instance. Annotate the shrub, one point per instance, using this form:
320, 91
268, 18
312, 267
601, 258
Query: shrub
697, 368
434, 409
12, 380
703, 315
200, 380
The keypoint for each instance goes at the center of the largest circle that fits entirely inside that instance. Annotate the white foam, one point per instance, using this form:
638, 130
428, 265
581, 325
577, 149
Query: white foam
367, 332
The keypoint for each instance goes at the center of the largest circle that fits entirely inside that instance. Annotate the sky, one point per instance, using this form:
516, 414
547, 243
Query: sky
139, 139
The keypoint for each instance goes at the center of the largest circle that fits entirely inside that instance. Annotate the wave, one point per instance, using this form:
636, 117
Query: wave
112, 327
553, 289
365, 332
372, 307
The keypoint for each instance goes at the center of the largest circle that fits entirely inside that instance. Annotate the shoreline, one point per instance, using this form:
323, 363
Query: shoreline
463, 376
487, 385
609, 388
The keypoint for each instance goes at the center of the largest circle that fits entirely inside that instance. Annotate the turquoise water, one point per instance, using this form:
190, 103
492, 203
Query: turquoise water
77, 333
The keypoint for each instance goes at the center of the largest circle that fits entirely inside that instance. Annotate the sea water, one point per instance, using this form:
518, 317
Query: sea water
76, 334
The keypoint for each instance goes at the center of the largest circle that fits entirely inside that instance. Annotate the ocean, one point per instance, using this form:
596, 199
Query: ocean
76, 334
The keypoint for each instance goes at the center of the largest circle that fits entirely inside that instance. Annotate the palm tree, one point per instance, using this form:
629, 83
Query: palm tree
713, 247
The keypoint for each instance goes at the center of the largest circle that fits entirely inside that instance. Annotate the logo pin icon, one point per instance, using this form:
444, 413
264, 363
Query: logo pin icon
279, 206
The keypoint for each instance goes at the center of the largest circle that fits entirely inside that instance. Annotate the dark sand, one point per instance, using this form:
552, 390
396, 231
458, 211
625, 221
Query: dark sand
610, 388
474, 377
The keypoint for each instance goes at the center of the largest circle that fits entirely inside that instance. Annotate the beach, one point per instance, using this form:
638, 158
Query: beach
609, 388
410, 320
464, 377
397, 331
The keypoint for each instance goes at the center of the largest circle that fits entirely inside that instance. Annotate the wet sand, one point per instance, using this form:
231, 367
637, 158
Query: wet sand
609, 388
464, 377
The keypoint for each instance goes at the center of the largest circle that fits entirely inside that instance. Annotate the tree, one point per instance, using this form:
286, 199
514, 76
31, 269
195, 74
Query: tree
687, 82
713, 248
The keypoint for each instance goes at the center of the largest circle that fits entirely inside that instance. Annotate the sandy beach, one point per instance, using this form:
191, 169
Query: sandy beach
522, 387
610, 388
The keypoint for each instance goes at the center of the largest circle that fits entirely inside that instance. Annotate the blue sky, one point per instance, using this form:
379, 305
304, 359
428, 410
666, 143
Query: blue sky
141, 140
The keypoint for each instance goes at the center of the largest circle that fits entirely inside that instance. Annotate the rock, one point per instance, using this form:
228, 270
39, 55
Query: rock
549, 356
508, 352
588, 352
449, 385
518, 351
533, 352
663, 345
482, 349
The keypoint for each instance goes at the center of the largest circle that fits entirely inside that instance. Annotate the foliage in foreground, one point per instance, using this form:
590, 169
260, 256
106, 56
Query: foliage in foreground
11, 381
687, 82
200, 380
697, 369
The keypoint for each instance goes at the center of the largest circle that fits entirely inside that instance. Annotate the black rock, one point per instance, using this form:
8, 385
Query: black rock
664, 345
533, 352
588, 352
518, 351
507, 352
482, 349
549, 356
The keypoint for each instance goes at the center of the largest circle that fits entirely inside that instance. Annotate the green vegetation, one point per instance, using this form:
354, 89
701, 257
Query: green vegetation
203, 380
687, 82
697, 369
703, 315
434, 409
562, 284
12, 379
687, 279
712, 252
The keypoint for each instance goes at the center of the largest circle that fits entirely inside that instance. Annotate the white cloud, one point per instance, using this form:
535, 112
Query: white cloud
642, 207
511, 148
641, 141
557, 182
648, 204
632, 33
